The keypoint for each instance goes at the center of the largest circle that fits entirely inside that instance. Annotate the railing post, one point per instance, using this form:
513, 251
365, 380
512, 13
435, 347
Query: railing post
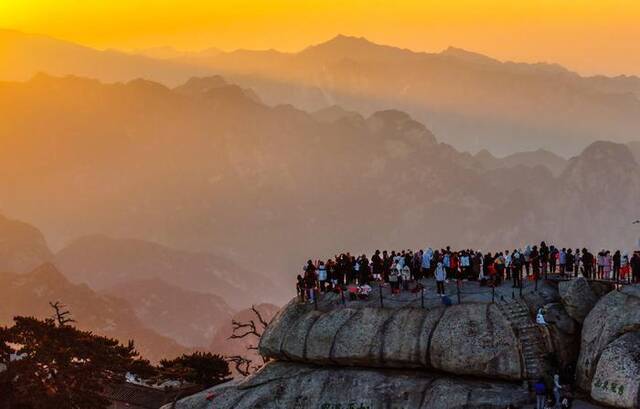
493, 293
458, 290
422, 297
381, 303
342, 295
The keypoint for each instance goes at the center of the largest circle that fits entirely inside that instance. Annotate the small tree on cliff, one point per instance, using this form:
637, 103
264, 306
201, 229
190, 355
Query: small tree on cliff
51, 364
253, 329
202, 368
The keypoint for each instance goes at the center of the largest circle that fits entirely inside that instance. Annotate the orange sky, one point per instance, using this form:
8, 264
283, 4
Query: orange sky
591, 36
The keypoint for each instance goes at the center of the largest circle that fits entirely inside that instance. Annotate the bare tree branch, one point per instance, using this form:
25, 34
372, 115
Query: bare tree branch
250, 328
243, 329
62, 316
262, 320
242, 364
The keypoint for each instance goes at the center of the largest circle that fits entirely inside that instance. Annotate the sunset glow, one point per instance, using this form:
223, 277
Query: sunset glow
586, 35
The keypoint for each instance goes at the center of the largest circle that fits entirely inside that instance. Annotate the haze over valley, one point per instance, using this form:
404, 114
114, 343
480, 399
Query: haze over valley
145, 189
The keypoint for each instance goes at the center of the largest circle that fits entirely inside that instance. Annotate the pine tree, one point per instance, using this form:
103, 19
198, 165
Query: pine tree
202, 368
59, 366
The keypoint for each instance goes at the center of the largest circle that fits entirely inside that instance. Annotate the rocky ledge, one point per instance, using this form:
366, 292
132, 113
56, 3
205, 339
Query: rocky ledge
292, 385
337, 354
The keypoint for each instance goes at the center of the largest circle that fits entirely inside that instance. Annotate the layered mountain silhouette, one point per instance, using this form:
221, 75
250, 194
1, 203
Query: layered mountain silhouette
29, 294
128, 265
540, 157
470, 100
189, 317
134, 301
22, 246
270, 187
27, 54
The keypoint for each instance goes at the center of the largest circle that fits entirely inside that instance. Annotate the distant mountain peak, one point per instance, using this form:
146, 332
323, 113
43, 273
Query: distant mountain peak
144, 84
48, 272
469, 56
343, 47
335, 113
350, 39
216, 85
201, 85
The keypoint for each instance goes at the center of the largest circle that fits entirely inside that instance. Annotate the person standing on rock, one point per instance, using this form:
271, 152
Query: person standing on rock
394, 278
376, 266
541, 393
426, 262
587, 263
507, 265
556, 391
635, 266
544, 257
310, 280
600, 264
441, 276
516, 268
535, 262
406, 277
576, 262
569, 261
625, 268
617, 260
553, 259
606, 268
322, 276
386, 266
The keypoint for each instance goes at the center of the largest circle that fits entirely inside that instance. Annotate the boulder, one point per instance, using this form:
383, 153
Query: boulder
546, 293
617, 376
615, 314
476, 340
293, 385
469, 339
577, 297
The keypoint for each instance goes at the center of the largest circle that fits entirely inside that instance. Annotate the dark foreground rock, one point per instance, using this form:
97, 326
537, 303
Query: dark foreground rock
290, 385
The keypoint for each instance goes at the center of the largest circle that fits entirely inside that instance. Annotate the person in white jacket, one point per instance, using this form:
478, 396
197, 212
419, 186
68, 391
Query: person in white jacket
441, 276
540, 317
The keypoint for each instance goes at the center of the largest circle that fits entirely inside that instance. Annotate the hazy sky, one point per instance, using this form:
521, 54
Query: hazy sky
591, 36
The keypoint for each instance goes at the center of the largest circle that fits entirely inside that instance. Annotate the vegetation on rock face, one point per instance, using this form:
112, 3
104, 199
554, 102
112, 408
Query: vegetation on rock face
202, 368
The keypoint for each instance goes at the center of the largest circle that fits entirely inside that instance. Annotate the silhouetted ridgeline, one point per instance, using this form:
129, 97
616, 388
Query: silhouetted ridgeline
217, 170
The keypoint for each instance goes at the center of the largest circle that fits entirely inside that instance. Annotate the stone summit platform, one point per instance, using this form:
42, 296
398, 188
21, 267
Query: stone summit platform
476, 354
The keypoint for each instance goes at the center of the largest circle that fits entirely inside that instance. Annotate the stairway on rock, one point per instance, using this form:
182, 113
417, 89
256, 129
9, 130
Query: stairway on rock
532, 343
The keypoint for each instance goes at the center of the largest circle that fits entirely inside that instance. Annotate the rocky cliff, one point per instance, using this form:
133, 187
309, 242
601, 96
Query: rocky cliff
340, 353
609, 362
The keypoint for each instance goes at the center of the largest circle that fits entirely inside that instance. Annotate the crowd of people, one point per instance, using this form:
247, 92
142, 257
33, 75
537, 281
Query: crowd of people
399, 268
